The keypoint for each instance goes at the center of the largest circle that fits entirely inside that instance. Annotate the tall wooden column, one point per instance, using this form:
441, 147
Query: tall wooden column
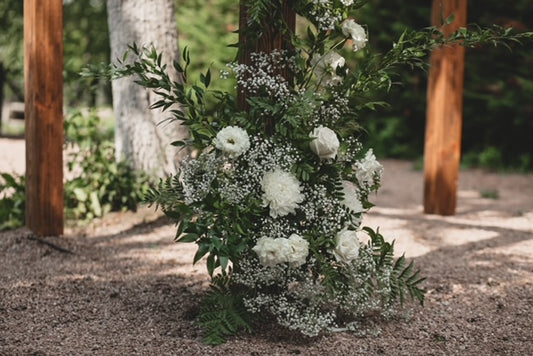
442, 152
43, 52
273, 39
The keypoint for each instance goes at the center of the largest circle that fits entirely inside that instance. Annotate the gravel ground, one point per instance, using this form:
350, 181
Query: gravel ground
126, 288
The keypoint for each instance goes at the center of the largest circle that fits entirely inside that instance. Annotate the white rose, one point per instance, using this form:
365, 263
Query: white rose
325, 67
368, 169
326, 144
347, 246
233, 141
299, 250
356, 32
272, 251
351, 198
282, 193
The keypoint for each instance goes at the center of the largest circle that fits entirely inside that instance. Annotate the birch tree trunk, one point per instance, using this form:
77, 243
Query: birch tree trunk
140, 136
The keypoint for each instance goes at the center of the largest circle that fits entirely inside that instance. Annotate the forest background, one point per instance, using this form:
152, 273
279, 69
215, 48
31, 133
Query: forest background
498, 111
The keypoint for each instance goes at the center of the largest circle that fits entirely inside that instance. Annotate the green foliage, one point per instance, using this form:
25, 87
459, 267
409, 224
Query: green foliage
403, 279
222, 313
496, 106
86, 40
99, 184
12, 49
12, 201
207, 31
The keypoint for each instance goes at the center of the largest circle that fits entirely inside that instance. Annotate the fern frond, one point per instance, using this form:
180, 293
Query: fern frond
222, 313
403, 279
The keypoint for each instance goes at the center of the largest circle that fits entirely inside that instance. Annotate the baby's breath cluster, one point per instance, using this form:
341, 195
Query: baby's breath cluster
263, 77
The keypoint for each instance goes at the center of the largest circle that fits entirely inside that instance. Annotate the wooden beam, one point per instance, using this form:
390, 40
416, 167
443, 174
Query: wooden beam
273, 38
442, 151
43, 52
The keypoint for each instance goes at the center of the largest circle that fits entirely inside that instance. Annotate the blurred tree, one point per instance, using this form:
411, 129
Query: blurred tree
140, 136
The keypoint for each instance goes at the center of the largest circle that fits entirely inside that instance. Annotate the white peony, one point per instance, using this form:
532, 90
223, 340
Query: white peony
367, 169
351, 198
347, 246
325, 67
233, 141
272, 251
282, 192
356, 32
299, 250
326, 144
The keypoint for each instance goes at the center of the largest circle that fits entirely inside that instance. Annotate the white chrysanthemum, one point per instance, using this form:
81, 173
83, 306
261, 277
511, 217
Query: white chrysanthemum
351, 198
272, 251
326, 144
233, 141
356, 32
282, 192
299, 250
325, 67
367, 169
347, 246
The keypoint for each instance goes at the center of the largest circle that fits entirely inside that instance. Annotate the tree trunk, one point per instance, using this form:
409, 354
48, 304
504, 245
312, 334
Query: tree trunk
140, 136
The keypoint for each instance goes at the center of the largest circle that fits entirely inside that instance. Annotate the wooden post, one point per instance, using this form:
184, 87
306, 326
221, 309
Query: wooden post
43, 52
272, 39
442, 151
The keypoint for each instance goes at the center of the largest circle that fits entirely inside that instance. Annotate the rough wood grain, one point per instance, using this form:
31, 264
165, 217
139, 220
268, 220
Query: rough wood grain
43, 52
272, 39
444, 115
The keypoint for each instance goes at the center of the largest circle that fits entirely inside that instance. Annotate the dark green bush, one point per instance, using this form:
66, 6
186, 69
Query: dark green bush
12, 201
498, 88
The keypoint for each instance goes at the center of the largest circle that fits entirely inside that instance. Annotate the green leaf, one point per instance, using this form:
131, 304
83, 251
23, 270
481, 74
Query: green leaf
80, 194
203, 249
190, 237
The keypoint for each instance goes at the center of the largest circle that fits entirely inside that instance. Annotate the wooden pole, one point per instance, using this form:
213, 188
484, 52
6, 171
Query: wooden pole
43, 52
442, 151
272, 39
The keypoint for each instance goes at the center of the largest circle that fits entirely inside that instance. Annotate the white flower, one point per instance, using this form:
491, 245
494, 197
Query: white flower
356, 32
272, 251
347, 2
351, 199
326, 144
325, 67
281, 192
367, 169
299, 250
347, 248
233, 141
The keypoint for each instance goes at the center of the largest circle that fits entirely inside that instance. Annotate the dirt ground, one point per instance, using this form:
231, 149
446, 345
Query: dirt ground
124, 287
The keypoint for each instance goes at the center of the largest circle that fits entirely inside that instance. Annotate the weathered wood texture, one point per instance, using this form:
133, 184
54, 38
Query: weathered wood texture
442, 151
43, 53
272, 39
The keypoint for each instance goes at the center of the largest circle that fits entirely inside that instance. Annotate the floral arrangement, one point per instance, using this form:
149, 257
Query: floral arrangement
273, 194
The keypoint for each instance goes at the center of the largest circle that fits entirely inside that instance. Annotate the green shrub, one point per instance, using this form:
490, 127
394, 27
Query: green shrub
97, 183
100, 183
12, 201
